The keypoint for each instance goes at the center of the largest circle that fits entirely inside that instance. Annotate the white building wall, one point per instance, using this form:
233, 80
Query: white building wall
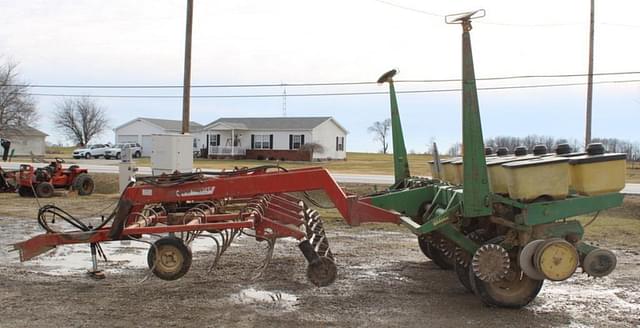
135, 132
141, 132
325, 134
280, 138
25, 145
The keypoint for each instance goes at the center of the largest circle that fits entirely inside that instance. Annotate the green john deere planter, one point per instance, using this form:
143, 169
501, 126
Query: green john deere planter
501, 247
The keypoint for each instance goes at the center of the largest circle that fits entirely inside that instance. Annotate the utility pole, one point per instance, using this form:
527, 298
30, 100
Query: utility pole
587, 135
284, 102
186, 88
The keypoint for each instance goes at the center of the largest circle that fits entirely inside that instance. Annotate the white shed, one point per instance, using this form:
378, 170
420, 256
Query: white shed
25, 140
141, 129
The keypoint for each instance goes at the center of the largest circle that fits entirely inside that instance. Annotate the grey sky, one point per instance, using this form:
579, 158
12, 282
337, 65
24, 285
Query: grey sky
140, 42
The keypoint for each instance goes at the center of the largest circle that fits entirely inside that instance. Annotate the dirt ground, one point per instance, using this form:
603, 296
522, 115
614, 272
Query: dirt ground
383, 281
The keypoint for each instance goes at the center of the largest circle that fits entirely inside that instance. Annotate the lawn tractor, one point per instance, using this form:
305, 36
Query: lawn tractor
502, 242
8, 182
43, 181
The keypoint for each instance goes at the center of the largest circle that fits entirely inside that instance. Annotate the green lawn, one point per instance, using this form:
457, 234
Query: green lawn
357, 163
362, 163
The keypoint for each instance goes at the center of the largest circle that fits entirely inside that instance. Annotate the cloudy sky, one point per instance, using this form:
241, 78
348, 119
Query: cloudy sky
122, 42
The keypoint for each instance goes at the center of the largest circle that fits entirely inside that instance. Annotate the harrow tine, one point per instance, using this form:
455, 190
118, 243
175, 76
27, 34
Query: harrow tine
217, 255
265, 263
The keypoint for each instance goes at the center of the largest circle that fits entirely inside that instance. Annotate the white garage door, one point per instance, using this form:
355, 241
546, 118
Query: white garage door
127, 138
147, 146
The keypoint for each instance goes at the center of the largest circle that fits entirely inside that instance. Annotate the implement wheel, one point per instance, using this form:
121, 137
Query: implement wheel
44, 190
322, 272
173, 259
439, 258
514, 291
25, 191
462, 263
424, 246
84, 184
462, 271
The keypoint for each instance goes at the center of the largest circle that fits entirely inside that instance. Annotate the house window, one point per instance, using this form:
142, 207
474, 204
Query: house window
296, 141
214, 140
339, 143
261, 141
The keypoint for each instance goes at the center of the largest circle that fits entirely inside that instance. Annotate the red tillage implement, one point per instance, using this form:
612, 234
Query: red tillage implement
187, 206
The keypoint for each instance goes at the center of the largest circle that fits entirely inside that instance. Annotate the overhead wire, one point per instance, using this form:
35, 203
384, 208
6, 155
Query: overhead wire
325, 94
314, 84
393, 4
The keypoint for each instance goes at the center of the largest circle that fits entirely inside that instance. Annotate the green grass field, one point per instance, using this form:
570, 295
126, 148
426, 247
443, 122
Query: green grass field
356, 163
363, 163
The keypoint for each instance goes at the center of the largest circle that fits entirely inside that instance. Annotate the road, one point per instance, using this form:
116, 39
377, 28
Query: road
630, 188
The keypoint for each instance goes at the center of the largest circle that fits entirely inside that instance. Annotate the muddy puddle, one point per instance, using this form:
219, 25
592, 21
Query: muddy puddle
76, 259
383, 281
274, 300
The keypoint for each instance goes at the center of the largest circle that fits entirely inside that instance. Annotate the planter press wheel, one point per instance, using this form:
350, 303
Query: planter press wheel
173, 259
462, 272
436, 255
424, 247
514, 291
462, 269
422, 241
428, 249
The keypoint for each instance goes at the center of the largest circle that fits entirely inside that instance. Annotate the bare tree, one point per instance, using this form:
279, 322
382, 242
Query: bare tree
313, 147
455, 149
17, 107
381, 131
80, 119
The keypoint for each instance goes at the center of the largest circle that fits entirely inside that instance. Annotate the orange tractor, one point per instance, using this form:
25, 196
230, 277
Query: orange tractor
43, 181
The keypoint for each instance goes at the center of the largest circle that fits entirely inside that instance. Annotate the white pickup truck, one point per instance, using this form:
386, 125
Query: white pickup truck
94, 151
116, 151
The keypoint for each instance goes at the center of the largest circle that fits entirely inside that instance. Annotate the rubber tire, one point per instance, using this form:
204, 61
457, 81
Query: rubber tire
462, 273
118, 156
83, 184
483, 290
179, 245
137, 155
438, 257
25, 191
44, 190
87, 156
424, 247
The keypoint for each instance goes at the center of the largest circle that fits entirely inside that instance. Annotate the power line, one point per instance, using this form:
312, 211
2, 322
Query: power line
408, 8
310, 84
504, 24
532, 86
388, 3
